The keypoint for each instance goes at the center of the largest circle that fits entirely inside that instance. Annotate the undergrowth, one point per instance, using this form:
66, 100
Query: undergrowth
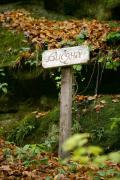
35, 129
11, 45
103, 125
23, 129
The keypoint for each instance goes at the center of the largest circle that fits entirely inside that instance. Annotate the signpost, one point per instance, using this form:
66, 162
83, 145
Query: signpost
65, 58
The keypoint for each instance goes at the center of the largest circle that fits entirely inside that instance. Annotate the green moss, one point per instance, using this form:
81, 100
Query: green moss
23, 128
99, 123
31, 128
103, 125
51, 118
10, 46
45, 125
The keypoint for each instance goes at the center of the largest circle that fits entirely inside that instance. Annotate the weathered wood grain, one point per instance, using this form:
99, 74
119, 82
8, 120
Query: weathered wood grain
65, 108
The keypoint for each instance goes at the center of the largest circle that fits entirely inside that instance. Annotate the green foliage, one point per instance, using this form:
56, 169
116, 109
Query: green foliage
76, 128
51, 141
46, 123
107, 173
114, 24
84, 153
103, 129
103, 125
58, 81
77, 68
98, 133
72, 142
108, 61
3, 85
2, 73
112, 133
29, 154
31, 62
113, 37
81, 37
80, 152
111, 3
23, 129
33, 129
110, 64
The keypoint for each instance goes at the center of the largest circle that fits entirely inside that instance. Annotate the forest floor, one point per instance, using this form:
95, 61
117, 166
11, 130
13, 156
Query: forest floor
17, 163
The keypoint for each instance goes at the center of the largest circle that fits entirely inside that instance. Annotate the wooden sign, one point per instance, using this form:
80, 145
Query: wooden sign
65, 56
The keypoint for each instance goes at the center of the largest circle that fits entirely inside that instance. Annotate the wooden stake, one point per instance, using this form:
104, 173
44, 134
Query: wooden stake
65, 57
65, 108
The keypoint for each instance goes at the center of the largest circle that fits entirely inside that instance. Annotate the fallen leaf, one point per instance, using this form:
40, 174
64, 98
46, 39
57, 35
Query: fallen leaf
103, 102
98, 107
115, 100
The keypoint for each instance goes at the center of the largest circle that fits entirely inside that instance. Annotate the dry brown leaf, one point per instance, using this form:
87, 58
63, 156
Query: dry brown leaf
115, 100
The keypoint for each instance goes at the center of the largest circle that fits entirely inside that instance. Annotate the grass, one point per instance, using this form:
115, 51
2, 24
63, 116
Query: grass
11, 45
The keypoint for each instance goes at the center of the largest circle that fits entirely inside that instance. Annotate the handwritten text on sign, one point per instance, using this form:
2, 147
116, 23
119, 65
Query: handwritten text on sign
65, 56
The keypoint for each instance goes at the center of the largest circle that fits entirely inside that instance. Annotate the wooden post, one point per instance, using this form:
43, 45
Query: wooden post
65, 108
65, 57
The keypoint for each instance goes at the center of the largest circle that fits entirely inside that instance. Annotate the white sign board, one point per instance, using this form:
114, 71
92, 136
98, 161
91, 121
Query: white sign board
65, 56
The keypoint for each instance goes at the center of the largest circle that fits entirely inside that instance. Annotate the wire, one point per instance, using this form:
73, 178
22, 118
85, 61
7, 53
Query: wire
97, 80
89, 79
